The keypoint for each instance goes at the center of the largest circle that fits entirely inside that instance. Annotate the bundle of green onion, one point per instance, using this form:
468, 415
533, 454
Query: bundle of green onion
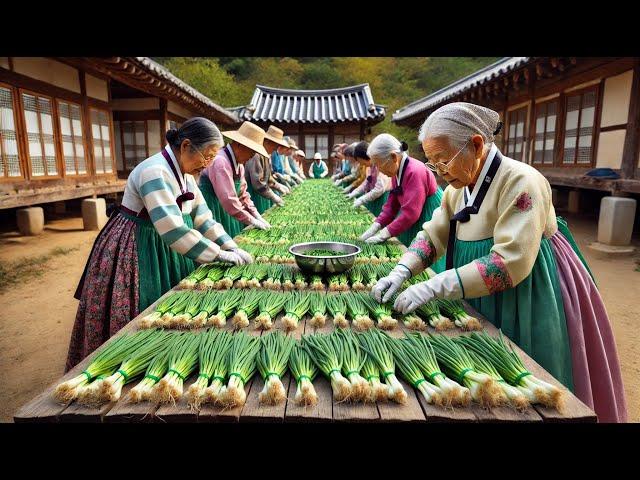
217, 367
230, 276
300, 280
356, 276
337, 306
454, 309
322, 350
430, 312
194, 277
191, 310
358, 312
241, 367
176, 308
459, 365
287, 278
208, 306
304, 371
272, 363
421, 351
245, 277
373, 342
270, 305
296, 307
370, 276
274, 272
212, 343
371, 373
105, 362
381, 311
155, 371
317, 309
183, 360
353, 358
154, 319
260, 273
510, 366
246, 308
316, 283
212, 280
226, 306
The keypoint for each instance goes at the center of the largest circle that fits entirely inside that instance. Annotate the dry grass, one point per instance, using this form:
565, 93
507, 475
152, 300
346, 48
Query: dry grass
21, 270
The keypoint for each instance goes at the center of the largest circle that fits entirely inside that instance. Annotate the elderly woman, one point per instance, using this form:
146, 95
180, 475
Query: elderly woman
318, 168
162, 229
298, 157
511, 257
223, 182
342, 165
258, 171
353, 167
374, 191
413, 198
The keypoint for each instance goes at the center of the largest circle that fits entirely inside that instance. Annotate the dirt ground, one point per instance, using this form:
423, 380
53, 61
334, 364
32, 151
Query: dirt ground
38, 314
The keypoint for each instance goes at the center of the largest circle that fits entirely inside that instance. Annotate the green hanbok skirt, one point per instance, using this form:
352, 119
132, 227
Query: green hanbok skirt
231, 224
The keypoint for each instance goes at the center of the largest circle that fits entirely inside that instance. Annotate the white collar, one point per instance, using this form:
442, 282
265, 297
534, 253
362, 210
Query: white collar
167, 147
405, 158
483, 173
233, 159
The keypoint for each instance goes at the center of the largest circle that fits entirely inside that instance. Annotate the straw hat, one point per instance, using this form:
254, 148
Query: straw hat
300, 153
276, 135
317, 156
249, 135
292, 144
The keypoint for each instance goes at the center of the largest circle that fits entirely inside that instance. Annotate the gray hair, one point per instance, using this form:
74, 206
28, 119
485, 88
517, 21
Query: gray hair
459, 121
201, 131
384, 145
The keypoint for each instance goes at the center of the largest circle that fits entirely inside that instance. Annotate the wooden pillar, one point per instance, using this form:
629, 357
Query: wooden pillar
88, 132
532, 118
361, 130
632, 138
504, 121
164, 118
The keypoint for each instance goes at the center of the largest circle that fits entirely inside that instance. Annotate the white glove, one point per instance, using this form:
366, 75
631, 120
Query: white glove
259, 217
229, 257
352, 194
278, 201
337, 182
387, 286
347, 189
244, 255
358, 202
444, 285
373, 229
380, 237
258, 224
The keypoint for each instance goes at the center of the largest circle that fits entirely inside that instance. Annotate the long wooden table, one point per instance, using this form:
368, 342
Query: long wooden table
44, 408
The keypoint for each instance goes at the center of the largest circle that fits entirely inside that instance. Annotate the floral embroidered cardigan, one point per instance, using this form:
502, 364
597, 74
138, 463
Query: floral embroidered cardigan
517, 212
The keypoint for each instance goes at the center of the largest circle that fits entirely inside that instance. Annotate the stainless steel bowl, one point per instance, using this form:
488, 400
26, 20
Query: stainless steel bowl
326, 264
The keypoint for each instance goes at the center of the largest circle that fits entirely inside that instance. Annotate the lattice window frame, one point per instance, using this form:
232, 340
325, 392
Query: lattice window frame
595, 91
4, 161
101, 142
134, 146
54, 135
546, 137
74, 136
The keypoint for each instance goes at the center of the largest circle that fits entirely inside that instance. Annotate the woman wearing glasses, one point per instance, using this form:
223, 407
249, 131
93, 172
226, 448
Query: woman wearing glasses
511, 257
163, 228
414, 194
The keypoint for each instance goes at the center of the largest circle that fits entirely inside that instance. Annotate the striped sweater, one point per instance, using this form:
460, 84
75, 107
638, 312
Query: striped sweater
152, 185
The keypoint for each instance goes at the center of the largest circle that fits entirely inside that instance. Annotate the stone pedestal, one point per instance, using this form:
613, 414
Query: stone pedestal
94, 213
574, 201
615, 225
30, 220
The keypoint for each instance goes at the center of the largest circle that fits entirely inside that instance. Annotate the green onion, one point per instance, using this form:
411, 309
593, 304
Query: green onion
155, 371
459, 365
454, 309
215, 274
316, 283
191, 309
183, 360
154, 318
226, 306
168, 319
356, 276
353, 358
260, 272
374, 343
358, 312
218, 367
194, 277
247, 274
300, 280
273, 277
242, 366
231, 275
337, 306
208, 306
371, 373
318, 309
104, 362
430, 312
380, 311
272, 363
322, 350
421, 351
270, 305
287, 278
246, 308
212, 352
370, 276
304, 371
295, 308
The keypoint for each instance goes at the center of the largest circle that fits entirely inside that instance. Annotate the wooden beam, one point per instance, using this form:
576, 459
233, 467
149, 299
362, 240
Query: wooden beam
532, 118
632, 138
163, 120
67, 193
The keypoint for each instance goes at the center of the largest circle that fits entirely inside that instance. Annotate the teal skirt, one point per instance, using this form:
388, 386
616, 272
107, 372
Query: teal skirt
231, 224
261, 203
407, 236
375, 206
532, 313
159, 267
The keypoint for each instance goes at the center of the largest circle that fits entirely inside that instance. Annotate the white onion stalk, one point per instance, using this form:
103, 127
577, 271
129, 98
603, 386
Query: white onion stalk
150, 321
305, 393
362, 323
413, 322
318, 320
341, 386
240, 320
68, 391
143, 390
89, 395
395, 390
234, 394
263, 321
213, 393
340, 321
273, 392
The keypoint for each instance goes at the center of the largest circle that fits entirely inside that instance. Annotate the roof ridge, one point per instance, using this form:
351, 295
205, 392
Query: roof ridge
269, 89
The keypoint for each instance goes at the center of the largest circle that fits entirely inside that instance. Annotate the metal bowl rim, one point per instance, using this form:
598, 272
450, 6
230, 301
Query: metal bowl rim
346, 255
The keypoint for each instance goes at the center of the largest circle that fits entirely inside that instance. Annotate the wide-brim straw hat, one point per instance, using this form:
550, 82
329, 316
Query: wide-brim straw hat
292, 143
301, 153
249, 135
276, 135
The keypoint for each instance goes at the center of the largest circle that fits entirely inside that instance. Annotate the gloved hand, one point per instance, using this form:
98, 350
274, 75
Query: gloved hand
259, 217
379, 237
229, 257
387, 286
278, 201
352, 194
373, 229
347, 189
258, 224
444, 285
337, 182
243, 254
358, 202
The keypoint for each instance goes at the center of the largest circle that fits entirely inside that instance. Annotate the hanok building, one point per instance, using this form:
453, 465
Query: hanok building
75, 127
565, 116
315, 119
